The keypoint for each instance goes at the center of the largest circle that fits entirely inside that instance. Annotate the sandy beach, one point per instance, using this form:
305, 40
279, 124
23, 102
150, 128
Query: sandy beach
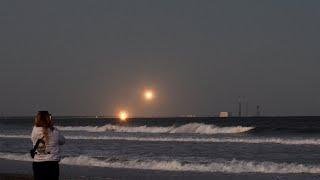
19, 170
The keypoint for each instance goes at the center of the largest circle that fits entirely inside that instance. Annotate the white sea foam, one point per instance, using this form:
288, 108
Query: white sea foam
233, 166
16, 157
190, 139
197, 128
208, 140
15, 136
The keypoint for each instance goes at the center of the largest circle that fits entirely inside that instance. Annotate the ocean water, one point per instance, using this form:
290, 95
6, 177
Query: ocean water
261, 145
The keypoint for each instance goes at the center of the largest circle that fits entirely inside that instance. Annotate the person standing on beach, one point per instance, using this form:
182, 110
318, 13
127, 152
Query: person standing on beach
46, 160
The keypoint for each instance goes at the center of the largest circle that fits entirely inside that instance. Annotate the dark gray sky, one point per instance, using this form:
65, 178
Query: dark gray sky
94, 57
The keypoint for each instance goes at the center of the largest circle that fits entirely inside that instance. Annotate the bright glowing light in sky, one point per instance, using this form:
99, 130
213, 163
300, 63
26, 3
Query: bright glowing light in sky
148, 95
123, 115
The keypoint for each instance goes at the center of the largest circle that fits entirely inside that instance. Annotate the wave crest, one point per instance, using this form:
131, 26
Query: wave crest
233, 166
200, 140
197, 128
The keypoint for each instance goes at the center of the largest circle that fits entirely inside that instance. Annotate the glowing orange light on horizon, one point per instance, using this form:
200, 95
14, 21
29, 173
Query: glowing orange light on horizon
148, 95
123, 115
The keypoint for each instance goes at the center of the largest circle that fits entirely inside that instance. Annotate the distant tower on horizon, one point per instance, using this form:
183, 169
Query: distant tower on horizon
246, 113
240, 108
258, 111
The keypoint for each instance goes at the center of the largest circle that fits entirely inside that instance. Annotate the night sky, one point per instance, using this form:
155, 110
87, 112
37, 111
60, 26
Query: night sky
96, 57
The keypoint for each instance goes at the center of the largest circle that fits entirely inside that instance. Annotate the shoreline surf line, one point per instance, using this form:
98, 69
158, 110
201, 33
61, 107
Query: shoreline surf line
224, 166
200, 140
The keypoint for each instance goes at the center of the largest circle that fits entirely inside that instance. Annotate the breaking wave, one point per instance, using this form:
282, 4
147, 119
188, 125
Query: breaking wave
190, 139
233, 166
197, 128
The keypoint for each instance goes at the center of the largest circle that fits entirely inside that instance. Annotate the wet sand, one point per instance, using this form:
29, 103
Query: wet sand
18, 170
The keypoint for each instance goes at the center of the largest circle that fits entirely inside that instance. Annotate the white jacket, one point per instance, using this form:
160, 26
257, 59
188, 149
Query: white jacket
50, 152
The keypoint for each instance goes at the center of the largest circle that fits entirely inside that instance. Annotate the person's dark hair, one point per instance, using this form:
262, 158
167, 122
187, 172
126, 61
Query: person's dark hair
43, 119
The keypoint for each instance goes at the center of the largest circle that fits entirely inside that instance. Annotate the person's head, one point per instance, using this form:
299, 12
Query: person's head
43, 119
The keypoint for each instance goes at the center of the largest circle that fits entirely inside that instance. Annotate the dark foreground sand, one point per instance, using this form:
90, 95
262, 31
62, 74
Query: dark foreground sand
18, 170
